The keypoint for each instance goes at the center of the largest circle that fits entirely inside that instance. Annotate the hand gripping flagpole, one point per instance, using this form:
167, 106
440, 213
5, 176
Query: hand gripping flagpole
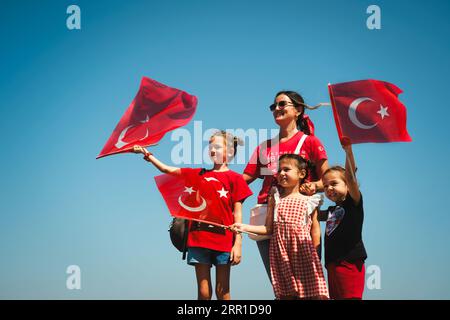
220, 225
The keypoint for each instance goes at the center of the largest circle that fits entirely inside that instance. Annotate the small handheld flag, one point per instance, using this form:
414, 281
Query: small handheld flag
368, 111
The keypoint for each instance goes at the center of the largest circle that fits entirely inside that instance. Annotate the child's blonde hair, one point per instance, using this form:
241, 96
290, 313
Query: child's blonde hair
229, 139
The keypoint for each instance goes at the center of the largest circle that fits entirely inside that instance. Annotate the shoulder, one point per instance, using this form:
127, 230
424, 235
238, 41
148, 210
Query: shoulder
191, 170
315, 149
238, 180
314, 202
313, 140
233, 177
187, 170
349, 201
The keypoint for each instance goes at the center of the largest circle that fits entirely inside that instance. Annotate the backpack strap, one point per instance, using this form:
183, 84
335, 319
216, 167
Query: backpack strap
300, 143
186, 228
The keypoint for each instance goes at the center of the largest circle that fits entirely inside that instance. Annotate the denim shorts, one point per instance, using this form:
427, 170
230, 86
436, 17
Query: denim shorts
207, 256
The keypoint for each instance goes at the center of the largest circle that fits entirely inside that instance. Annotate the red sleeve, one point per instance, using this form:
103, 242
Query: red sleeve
316, 151
254, 165
240, 191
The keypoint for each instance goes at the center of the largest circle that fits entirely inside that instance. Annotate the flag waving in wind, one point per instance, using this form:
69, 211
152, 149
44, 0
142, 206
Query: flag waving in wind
155, 110
368, 111
208, 197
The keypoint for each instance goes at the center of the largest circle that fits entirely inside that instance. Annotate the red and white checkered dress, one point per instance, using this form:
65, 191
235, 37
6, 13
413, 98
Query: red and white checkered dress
294, 263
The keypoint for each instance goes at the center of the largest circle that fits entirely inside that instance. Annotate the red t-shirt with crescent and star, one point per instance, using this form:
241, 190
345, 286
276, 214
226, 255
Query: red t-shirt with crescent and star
230, 187
264, 161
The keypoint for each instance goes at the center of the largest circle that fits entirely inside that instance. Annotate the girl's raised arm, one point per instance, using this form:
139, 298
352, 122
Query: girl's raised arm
350, 167
161, 166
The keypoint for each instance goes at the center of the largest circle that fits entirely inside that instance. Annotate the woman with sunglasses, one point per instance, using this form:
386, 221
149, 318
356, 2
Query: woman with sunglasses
296, 136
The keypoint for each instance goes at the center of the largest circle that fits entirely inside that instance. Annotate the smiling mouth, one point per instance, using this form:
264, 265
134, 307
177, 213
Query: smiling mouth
332, 195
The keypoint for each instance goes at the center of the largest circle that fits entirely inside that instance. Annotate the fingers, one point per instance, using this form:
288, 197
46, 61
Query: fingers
147, 156
137, 149
307, 189
237, 227
235, 258
346, 143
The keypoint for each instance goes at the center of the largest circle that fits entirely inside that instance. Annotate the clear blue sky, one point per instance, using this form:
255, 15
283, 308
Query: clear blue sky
62, 93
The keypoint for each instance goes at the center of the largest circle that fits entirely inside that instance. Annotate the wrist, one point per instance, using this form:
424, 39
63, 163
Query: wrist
147, 156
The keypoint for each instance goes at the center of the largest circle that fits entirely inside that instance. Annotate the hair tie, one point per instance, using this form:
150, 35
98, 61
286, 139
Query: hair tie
309, 123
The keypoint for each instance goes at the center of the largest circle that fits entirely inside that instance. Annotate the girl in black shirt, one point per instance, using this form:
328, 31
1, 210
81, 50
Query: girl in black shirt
344, 249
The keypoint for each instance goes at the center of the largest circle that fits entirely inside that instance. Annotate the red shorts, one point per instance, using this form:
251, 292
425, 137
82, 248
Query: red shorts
346, 280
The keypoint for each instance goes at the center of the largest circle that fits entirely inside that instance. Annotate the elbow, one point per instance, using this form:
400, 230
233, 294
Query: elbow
168, 170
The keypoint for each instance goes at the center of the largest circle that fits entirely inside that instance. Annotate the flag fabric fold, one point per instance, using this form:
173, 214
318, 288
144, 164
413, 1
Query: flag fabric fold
369, 111
156, 110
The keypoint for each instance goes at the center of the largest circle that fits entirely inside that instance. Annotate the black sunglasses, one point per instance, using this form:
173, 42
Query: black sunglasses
282, 104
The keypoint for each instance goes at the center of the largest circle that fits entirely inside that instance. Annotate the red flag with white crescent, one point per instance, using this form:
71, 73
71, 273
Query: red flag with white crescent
154, 111
188, 196
369, 111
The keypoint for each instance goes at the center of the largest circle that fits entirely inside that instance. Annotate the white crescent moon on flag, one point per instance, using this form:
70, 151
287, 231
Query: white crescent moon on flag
201, 207
120, 143
352, 114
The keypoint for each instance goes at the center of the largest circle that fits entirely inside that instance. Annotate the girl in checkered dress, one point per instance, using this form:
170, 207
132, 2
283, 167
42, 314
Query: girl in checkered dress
295, 266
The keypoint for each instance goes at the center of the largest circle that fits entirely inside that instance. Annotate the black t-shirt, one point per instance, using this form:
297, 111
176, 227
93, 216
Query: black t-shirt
345, 241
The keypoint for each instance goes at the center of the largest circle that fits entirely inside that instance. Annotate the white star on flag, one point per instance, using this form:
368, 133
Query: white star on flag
223, 193
189, 190
383, 112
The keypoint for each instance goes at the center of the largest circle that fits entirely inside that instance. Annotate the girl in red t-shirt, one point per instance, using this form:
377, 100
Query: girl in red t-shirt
207, 244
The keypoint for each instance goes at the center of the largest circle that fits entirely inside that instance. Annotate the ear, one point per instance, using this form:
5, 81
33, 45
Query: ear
300, 109
302, 173
230, 151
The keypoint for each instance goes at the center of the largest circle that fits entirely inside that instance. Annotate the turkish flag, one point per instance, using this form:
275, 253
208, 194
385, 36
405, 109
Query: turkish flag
188, 197
155, 110
368, 111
